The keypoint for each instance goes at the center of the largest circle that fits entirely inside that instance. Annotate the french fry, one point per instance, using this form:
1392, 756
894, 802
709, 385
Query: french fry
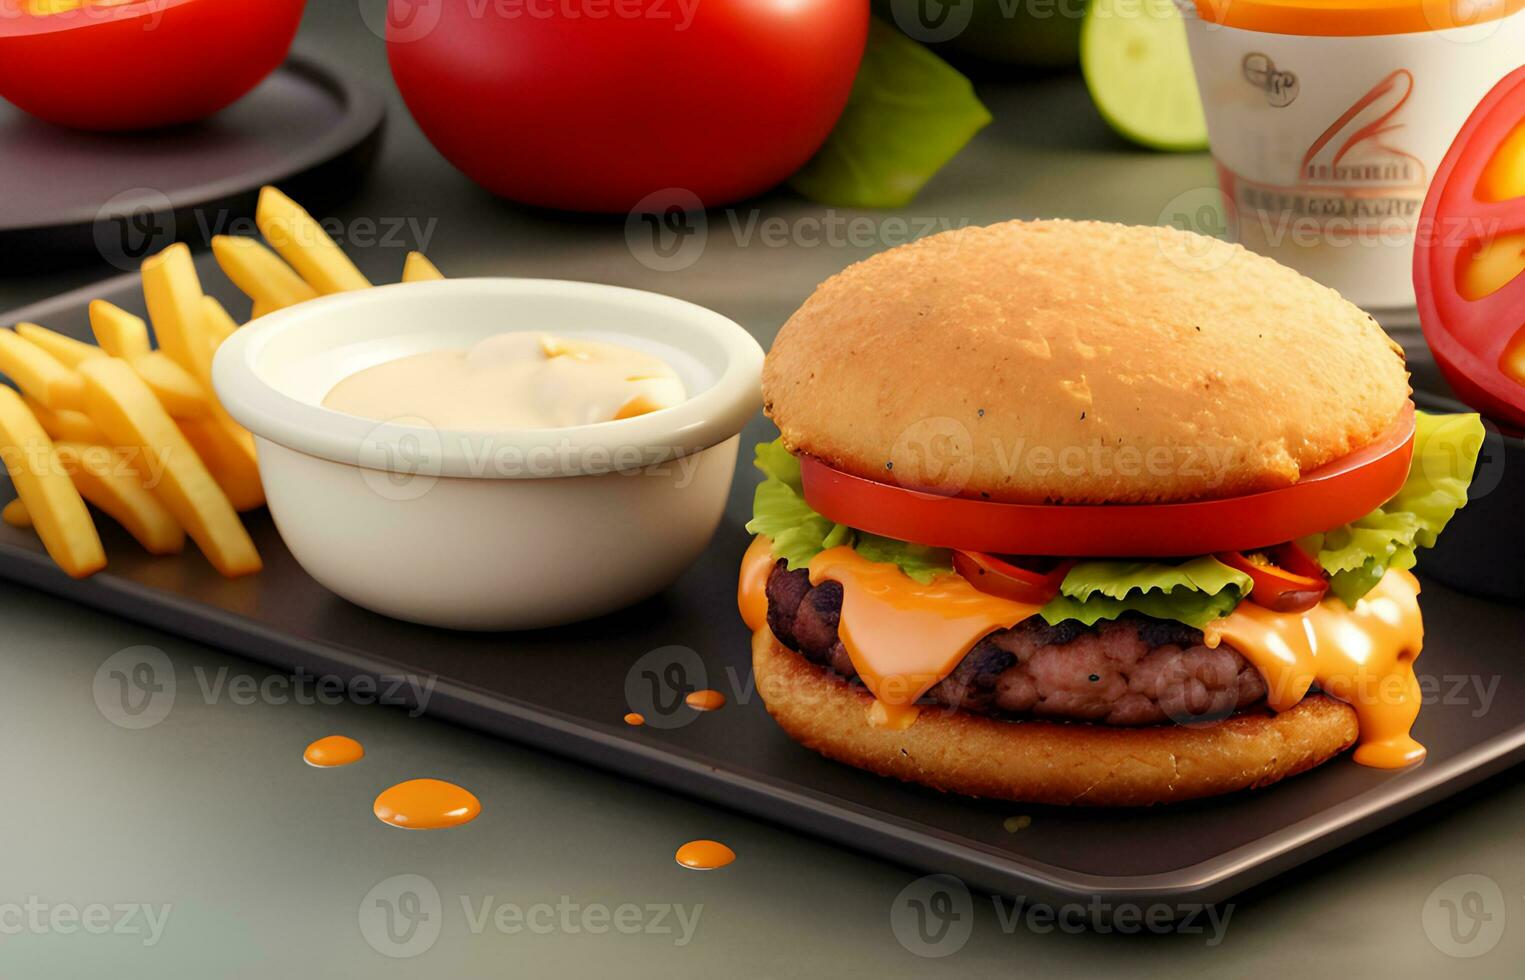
65, 425
66, 350
173, 292
418, 268
258, 310
219, 326
229, 457
15, 514
55, 506
225, 446
215, 323
262, 275
177, 389
122, 404
119, 333
302, 242
39, 373
104, 479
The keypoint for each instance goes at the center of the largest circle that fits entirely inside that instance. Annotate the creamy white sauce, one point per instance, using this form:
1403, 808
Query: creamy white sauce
513, 381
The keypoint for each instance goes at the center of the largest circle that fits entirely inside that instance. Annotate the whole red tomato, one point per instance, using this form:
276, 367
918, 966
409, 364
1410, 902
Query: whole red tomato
591, 105
138, 64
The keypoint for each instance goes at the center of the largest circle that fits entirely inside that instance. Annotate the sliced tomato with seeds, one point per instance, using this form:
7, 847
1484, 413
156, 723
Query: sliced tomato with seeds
1469, 259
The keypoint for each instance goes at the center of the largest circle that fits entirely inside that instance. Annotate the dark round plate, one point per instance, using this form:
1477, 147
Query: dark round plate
73, 198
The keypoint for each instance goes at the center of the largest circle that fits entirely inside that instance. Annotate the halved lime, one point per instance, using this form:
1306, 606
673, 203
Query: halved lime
1138, 68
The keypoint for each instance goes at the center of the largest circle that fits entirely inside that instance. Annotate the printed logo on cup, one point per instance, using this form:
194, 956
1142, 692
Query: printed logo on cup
657, 684
135, 688
931, 21
666, 231
1280, 87
401, 916
402, 458
933, 917
1464, 916
133, 225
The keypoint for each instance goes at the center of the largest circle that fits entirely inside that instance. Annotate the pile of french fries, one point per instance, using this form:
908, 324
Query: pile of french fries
138, 432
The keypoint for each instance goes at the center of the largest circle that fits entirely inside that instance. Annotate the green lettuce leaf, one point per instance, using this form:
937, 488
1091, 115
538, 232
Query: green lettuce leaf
1194, 592
1358, 554
799, 533
909, 114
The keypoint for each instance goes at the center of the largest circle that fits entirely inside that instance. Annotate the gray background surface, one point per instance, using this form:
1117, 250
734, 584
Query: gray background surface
265, 864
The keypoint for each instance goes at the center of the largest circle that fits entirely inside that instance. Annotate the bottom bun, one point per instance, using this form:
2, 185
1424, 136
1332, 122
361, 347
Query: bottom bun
1047, 762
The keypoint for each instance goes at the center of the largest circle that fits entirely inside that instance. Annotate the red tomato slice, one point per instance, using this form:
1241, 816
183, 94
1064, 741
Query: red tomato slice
1333, 495
1287, 580
139, 64
1472, 338
997, 577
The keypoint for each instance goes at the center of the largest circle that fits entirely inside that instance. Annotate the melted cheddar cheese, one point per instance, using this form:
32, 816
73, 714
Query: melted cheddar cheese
1362, 656
904, 637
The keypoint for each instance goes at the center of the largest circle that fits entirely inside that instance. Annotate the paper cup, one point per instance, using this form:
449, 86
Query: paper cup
1327, 124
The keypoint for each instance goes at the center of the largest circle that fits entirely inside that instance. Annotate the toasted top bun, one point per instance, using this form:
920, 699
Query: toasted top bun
1080, 362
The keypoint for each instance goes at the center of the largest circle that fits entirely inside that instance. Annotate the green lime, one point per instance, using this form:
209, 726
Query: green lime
1138, 68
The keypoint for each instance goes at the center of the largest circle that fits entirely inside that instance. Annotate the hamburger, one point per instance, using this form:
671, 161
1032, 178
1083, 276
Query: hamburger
1078, 513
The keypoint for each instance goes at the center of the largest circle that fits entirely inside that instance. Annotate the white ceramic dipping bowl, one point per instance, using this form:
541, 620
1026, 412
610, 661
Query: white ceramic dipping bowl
489, 530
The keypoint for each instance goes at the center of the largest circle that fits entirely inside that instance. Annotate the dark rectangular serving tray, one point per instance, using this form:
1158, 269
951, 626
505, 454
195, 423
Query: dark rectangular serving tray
565, 690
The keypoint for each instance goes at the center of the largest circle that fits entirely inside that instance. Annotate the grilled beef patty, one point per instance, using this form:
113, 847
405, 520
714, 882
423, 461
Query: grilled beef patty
1131, 671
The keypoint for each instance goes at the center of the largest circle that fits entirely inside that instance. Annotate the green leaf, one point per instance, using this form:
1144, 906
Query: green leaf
917, 560
1184, 605
1358, 554
1194, 592
799, 533
909, 114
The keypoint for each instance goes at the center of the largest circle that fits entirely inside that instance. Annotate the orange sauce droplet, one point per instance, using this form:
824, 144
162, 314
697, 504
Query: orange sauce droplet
705, 855
333, 750
705, 700
426, 804
635, 718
